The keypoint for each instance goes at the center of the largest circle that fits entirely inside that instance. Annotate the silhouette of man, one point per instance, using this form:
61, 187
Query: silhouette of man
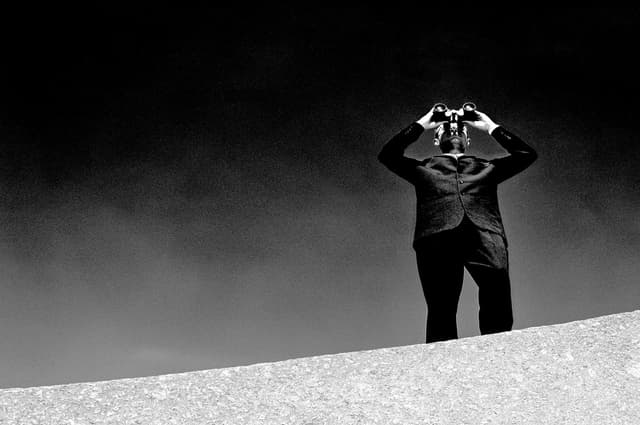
458, 222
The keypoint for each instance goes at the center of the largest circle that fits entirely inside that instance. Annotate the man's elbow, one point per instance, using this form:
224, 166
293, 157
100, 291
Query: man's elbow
528, 155
383, 156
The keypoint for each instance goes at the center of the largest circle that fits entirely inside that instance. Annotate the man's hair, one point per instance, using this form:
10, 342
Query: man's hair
441, 129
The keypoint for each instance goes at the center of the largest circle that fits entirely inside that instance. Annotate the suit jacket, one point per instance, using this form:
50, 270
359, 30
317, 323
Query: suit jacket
447, 188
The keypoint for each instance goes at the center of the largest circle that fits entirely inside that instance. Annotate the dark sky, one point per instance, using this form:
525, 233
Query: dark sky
198, 188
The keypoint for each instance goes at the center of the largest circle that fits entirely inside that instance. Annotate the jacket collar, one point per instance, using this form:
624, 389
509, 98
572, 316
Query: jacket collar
449, 156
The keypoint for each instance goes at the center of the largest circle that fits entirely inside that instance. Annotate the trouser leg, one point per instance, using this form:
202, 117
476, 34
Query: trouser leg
488, 264
441, 273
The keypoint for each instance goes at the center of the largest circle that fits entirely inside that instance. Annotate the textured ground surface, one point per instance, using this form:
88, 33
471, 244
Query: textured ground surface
584, 372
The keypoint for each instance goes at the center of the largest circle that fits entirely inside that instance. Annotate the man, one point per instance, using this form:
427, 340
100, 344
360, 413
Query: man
458, 222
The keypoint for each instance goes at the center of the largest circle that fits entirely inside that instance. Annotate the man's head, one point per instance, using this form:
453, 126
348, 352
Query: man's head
452, 137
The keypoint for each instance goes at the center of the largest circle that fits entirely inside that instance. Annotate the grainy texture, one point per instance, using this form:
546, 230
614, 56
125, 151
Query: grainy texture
583, 372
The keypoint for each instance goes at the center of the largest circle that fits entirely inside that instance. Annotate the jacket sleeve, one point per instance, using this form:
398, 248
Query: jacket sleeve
520, 155
392, 153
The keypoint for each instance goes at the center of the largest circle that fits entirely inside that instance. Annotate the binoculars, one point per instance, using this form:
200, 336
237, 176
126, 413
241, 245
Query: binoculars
442, 113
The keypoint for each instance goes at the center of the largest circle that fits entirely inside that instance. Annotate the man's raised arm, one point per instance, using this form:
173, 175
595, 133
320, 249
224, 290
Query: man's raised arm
392, 153
521, 155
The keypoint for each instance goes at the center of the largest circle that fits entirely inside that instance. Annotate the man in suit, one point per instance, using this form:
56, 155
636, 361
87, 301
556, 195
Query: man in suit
458, 222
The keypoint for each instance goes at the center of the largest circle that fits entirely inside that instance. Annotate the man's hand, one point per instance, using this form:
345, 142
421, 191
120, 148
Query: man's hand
483, 123
427, 121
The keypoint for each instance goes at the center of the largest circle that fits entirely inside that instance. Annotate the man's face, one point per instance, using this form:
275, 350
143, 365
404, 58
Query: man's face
452, 137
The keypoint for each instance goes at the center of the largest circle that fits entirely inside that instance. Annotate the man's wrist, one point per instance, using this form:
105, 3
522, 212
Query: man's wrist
423, 122
492, 127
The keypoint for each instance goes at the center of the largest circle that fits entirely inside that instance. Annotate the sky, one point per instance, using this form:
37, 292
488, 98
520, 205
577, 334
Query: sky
189, 189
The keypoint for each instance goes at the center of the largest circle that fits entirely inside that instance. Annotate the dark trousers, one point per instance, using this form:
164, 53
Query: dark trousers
441, 259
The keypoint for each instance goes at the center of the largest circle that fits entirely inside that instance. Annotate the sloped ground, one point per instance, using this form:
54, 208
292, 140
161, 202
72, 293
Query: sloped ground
583, 372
